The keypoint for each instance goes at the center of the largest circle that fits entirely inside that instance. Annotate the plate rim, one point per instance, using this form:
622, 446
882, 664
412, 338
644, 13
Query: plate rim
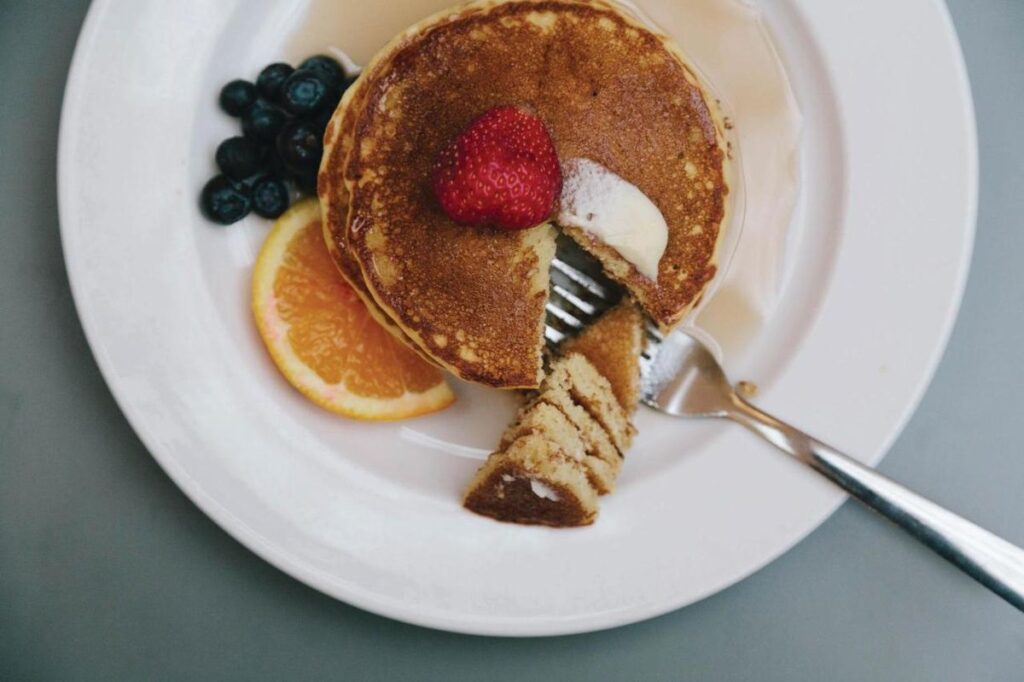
353, 594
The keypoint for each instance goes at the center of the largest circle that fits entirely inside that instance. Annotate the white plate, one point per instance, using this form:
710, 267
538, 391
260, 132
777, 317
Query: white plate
369, 513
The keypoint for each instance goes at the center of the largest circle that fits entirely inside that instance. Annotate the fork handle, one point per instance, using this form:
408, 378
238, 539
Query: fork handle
992, 561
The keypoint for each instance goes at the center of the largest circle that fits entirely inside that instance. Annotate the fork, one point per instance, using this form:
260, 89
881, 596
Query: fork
680, 377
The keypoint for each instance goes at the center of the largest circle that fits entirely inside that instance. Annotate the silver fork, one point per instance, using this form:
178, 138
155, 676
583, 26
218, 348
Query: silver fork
680, 377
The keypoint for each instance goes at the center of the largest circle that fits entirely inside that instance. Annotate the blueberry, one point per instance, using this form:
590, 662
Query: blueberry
331, 101
320, 119
328, 68
269, 197
237, 97
263, 121
271, 78
305, 180
224, 201
305, 92
239, 157
300, 146
274, 165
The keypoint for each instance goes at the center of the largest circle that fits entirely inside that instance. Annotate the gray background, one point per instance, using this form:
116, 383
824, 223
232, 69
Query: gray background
108, 572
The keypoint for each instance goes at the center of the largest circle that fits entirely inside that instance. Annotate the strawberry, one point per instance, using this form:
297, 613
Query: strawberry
501, 171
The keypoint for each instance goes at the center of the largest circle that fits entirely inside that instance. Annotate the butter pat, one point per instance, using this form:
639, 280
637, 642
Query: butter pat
614, 211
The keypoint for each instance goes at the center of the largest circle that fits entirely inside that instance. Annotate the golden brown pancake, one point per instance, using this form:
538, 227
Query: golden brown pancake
607, 88
532, 481
557, 456
334, 205
613, 344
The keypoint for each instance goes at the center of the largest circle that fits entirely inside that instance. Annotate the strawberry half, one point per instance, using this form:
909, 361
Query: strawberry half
501, 171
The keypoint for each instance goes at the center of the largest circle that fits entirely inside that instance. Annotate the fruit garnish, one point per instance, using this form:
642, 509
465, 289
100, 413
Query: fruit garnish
327, 67
300, 146
239, 157
237, 97
269, 197
501, 171
283, 118
263, 121
224, 200
305, 91
323, 339
271, 78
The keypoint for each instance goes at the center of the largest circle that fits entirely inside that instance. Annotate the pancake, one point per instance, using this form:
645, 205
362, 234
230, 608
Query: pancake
607, 88
558, 455
613, 344
334, 207
532, 481
482, 348
552, 423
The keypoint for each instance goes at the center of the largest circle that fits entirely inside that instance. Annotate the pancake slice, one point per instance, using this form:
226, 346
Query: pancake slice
556, 457
573, 374
547, 420
613, 345
533, 481
596, 439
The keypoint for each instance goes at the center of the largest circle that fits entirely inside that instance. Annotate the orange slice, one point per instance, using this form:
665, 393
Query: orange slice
321, 336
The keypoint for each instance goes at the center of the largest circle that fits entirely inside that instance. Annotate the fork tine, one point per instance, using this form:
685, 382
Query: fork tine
563, 316
553, 336
576, 299
582, 279
585, 307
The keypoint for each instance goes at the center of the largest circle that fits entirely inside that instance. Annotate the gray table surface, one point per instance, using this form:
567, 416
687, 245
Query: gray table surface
108, 572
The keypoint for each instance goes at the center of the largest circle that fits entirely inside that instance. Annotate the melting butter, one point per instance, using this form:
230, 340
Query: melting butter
614, 211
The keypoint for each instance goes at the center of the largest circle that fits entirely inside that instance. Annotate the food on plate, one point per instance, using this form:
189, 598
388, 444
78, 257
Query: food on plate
304, 92
614, 346
271, 78
608, 209
224, 200
576, 377
263, 120
501, 171
566, 445
533, 481
269, 196
239, 157
600, 464
282, 117
604, 88
445, 173
321, 337
328, 68
299, 144
236, 97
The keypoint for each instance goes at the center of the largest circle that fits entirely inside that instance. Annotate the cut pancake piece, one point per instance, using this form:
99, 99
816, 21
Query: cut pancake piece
597, 440
553, 444
613, 345
547, 420
533, 481
607, 88
574, 375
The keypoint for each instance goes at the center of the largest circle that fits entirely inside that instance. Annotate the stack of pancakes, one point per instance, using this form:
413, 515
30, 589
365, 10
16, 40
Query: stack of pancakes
472, 300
